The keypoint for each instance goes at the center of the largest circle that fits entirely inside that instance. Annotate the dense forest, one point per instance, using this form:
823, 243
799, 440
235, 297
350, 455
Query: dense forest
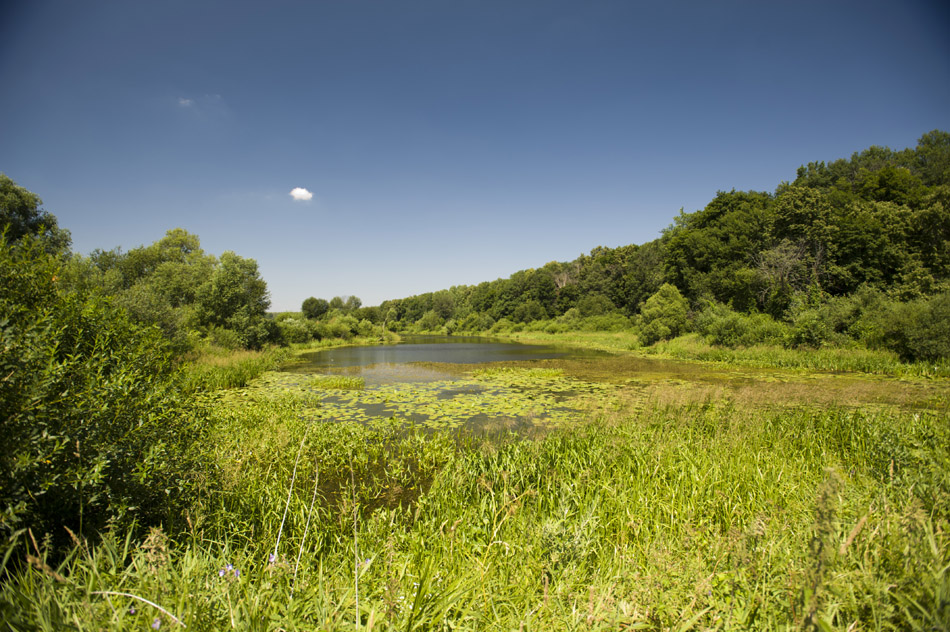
852, 252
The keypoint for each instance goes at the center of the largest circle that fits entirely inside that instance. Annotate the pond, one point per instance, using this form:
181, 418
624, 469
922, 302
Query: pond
390, 363
434, 381
486, 385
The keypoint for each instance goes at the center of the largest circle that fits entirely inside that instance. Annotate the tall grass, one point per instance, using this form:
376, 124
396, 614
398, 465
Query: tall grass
214, 368
649, 514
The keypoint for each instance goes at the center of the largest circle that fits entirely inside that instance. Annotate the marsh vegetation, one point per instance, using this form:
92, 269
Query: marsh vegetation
663, 494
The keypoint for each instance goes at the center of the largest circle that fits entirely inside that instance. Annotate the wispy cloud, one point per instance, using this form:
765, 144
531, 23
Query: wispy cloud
203, 107
300, 193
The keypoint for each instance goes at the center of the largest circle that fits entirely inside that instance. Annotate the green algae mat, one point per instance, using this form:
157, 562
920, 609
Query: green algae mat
491, 397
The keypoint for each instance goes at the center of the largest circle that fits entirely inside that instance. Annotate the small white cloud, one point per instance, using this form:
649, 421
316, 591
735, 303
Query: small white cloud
301, 194
185, 103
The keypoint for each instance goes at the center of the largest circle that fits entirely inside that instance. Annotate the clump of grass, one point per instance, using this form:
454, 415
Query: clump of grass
215, 368
337, 383
505, 372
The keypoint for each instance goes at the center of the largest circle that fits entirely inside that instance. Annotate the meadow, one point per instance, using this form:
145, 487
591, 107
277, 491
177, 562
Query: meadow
695, 495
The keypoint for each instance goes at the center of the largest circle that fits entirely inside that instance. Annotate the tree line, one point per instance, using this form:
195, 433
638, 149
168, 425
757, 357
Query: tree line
852, 251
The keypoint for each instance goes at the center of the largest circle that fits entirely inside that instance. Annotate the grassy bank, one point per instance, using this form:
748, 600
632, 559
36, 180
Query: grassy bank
656, 510
211, 368
693, 347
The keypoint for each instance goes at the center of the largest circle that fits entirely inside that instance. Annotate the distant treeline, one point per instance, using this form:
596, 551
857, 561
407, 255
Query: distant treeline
856, 250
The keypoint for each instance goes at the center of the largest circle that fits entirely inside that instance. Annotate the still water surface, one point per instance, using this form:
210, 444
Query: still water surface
389, 363
419, 380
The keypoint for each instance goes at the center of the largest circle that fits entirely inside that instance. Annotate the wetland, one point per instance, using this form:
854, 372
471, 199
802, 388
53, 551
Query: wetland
485, 385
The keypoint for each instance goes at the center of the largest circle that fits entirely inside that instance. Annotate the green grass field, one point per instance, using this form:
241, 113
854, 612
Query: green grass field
766, 501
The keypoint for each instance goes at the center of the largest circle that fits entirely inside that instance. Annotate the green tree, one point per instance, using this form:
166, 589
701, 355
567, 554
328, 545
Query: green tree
313, 308
236, 298
663, 315
710, 253
21, 216
932, 158
804, 217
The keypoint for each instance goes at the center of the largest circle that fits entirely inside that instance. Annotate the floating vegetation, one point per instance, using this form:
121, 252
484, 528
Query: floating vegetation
505, 373
536, 396
337, 383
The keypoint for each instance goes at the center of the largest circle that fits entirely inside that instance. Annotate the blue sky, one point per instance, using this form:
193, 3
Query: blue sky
444, 142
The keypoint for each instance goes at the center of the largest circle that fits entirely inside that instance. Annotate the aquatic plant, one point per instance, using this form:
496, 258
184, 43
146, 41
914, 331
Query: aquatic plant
336, 382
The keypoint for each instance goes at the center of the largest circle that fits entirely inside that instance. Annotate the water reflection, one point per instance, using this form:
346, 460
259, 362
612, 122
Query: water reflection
424, 380
383, 364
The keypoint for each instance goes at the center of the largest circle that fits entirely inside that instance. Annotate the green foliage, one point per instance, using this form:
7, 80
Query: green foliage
294, 330
878, 222
186, 293
918, 330
664, 315
932, 158
21, 216
724, 326
93, 432
314, 308
708, 253
430, 321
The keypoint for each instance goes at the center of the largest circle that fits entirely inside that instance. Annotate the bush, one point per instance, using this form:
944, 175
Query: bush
728, 328
294, 330
502, 326
614, 321
93, 432
663, 315
918, 330
809, 329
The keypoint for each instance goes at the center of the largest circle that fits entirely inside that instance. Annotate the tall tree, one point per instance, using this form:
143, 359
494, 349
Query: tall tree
21, 216
314, 308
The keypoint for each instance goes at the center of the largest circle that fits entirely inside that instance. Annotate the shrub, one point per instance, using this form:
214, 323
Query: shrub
501, 326
92, 429
663, 315
294, 330
809, 329
614, 321
728, 328
918, 330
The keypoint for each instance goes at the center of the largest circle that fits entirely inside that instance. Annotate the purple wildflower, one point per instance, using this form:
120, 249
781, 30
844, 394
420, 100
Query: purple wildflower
271, 558
221, 573
237, 573
131, 609
230, 567
157, 623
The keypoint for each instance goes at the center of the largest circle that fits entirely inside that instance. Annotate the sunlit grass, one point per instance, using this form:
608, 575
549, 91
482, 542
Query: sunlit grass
693, 347
214, 368
668, 505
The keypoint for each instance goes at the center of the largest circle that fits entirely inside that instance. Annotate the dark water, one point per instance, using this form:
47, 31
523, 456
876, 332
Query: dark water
447, 349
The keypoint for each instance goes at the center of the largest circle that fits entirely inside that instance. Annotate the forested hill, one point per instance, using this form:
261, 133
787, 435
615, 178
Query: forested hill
872, 230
